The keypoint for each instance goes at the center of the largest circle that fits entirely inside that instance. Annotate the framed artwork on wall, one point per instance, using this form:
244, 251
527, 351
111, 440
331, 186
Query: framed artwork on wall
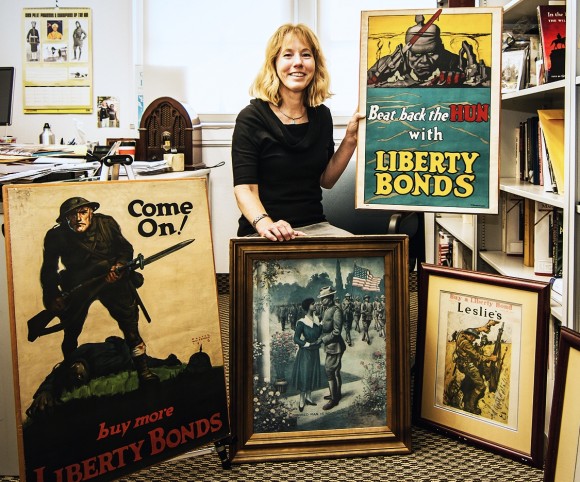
481, 359
563, 455
116, 339
430, 85
319, 348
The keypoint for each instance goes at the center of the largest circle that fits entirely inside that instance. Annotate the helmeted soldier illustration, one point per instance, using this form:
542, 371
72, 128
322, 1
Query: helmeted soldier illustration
98, 265
474, 364
424, 61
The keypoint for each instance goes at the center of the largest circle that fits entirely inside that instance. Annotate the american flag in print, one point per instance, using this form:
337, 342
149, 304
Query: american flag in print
363, 278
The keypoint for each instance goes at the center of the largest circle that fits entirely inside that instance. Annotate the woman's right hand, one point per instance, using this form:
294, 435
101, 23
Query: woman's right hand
277, 231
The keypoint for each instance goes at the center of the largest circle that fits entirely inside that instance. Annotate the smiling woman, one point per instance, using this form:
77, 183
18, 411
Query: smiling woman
283, 148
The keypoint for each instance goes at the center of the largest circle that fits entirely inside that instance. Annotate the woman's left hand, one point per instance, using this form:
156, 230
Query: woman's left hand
352, 126
279, 231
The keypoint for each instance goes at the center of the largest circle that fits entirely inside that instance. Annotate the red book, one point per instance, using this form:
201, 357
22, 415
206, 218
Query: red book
552, 26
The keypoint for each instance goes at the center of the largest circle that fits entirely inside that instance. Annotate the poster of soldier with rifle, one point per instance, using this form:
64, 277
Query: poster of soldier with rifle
482, 346
114, 315
476, 370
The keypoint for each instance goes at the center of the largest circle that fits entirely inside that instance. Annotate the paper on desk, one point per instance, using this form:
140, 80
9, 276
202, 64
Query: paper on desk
31, 171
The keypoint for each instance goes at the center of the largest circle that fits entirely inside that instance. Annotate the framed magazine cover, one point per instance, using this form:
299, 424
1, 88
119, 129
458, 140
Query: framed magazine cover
319, 348
430, 84
481, 359
563, 455
118, 361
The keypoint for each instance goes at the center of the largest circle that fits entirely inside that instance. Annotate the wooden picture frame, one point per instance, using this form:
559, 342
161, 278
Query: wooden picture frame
429, 141
481, 359
563, 455
373, 412
130, 370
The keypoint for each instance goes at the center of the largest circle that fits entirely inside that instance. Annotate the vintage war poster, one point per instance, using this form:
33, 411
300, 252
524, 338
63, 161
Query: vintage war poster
115, 326
429, 83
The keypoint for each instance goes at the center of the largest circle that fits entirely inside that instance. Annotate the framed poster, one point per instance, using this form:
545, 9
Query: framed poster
319, 348
114, 317
481, 359
57, 69
563, 456
430, 85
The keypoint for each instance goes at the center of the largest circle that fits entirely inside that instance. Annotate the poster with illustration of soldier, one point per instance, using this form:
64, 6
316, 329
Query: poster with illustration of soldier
117, 348
479, 351
430, 85
482, 356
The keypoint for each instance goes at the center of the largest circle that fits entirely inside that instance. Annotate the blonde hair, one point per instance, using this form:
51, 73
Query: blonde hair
266, 86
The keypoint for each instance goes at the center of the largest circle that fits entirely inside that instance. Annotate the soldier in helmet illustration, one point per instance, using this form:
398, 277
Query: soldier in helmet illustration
473, 363
90, 246
424, 61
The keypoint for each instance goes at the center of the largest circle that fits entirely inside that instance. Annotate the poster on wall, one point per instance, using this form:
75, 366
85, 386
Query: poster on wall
430, 86
115, 326
57, 67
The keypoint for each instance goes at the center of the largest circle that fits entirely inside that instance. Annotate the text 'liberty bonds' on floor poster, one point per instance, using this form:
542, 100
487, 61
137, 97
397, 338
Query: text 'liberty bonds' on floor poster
429, 82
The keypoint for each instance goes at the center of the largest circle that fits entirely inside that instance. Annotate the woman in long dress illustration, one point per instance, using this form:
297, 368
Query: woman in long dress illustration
307, 373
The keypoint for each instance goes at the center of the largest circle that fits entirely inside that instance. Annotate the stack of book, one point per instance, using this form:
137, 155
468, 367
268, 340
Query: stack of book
540, 150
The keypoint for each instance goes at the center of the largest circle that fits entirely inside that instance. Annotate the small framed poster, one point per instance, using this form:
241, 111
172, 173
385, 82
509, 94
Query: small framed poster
481, 358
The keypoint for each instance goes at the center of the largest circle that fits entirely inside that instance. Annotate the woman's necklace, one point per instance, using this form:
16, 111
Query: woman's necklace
293, 119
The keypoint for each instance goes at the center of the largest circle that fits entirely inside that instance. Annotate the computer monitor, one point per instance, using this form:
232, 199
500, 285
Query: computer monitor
6, 95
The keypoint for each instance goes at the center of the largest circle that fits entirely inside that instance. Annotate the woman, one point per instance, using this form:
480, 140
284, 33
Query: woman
307, 373
283, 148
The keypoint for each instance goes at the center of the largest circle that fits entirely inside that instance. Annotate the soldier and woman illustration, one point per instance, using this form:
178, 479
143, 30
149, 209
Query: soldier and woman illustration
325, 321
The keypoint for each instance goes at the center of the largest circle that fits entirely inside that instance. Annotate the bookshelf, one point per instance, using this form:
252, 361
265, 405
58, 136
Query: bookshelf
483, 236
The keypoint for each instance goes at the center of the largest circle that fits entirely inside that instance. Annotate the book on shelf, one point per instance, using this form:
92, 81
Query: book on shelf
529, 239
528, 151
543, 262
552, 128
534, 57
532, 159
557, 241
552, 30
547, 172
512, 220
444, 249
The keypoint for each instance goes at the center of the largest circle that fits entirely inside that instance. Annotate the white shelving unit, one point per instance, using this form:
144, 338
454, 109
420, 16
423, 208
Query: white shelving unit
483, 235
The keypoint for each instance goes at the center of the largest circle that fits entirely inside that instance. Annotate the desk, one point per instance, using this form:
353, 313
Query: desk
8, 438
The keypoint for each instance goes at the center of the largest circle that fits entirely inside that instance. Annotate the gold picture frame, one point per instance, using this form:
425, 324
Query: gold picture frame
373, 414
563, 455
481, 359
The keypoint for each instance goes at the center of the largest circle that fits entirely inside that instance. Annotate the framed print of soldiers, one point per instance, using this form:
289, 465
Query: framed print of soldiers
472, 362
334, 345
91, 247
